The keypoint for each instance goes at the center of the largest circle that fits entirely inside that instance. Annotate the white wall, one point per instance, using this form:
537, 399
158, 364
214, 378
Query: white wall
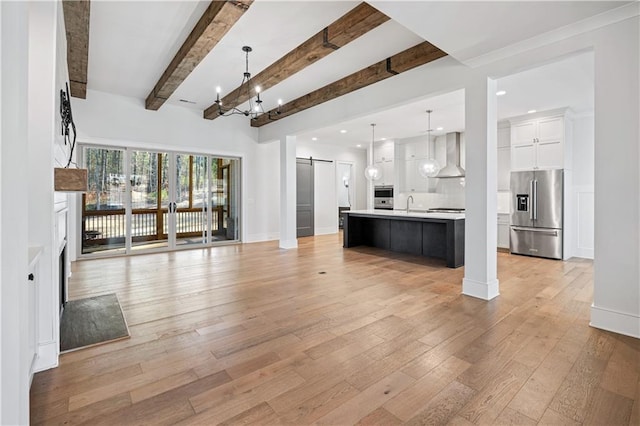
14, 386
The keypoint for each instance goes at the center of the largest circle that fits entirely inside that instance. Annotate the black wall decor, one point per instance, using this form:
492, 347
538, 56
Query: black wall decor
67, 120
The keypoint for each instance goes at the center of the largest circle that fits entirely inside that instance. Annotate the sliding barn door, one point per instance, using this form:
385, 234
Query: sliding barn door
304, 197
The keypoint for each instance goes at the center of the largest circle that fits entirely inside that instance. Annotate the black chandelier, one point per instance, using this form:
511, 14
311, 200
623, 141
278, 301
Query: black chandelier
254, 107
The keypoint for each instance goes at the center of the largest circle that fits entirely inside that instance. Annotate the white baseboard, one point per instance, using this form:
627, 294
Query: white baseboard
584, 253
47, 356
481, 290
326, 231
618, 322
288, 244
257, 238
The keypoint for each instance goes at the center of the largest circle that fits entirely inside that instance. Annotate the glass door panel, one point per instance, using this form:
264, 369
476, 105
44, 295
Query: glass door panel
191, 199
225, 186
149, 199
103, 205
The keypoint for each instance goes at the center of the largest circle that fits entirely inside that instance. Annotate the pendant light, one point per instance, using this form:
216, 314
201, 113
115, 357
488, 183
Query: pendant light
428, 167
372, 172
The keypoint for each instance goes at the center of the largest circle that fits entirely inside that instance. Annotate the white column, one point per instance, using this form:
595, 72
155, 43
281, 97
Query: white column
43, 116
288, 193
616, 287
14, 383
481, 228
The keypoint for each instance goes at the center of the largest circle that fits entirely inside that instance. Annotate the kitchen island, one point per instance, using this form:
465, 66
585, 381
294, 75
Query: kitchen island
439, 235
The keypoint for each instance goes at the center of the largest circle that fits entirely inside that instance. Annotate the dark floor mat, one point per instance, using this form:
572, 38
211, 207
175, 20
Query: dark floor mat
92, 321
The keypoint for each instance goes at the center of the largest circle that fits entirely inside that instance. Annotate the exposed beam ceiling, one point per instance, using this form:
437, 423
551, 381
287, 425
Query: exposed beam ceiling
413, 57
358, 21
219, 17
76, 23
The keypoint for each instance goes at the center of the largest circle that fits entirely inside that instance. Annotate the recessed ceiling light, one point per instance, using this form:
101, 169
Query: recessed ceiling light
343, 131
383, 139
314, 139
359, 146
501, 92
439, 128
531, 111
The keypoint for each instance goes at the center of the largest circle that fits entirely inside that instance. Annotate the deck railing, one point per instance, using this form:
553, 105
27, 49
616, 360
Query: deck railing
100, 226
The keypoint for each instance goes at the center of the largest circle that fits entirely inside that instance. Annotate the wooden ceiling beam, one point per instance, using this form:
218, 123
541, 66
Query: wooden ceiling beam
358, 21
216, 21
76, 23
413, 57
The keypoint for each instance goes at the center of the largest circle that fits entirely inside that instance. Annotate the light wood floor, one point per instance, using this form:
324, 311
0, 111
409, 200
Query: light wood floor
254, 334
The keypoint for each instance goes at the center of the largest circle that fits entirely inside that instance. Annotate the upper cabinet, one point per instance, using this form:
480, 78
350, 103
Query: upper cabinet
541, 142
384, 156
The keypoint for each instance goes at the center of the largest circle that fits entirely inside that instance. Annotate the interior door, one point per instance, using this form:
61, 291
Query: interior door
304, 197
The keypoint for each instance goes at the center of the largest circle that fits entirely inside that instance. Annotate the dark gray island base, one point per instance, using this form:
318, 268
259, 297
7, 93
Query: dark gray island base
426, 234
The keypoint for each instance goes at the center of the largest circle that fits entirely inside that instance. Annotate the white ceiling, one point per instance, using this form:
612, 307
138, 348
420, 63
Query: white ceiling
131, 43
565, 83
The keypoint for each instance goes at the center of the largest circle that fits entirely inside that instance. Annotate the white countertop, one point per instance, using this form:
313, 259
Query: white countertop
412, 213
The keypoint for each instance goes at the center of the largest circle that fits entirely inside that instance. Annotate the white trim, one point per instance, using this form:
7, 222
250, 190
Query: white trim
258, 238
592, 23
288, 244
481, 290
582, 249
47, 356
617, 322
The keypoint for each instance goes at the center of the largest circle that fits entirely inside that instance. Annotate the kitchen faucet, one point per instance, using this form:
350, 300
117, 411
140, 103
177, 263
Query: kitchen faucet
410, 197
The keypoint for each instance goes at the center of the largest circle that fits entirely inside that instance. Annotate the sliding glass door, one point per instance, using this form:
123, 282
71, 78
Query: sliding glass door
158, 200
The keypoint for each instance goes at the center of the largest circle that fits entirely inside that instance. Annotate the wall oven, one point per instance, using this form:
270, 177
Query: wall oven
383, 197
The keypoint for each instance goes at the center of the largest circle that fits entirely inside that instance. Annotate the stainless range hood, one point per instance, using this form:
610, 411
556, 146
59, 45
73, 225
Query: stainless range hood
452, 169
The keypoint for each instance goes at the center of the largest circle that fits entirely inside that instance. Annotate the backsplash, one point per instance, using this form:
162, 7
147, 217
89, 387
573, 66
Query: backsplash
447, 193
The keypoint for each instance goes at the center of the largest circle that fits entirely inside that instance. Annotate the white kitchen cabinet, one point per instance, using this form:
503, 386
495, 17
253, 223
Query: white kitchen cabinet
412, 180
384, 158
415, 150
384, 152
503, 230
542, 142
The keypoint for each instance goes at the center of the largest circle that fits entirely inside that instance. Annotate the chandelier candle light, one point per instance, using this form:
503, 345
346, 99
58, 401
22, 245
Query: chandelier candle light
372, 172
255, 105
428, 167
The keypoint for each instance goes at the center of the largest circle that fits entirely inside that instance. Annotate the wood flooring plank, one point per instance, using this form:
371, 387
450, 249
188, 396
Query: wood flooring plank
223, 407
444, 406
510, 417
608, 408
379, 417
553, 418
412, 400
88, 413
368, 400
487, 404
163, 385
261, 414
623, 370
580, 385
311, 409
535, 395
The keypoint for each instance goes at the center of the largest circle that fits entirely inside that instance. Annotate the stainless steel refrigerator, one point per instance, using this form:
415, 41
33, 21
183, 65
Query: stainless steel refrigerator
537, 213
